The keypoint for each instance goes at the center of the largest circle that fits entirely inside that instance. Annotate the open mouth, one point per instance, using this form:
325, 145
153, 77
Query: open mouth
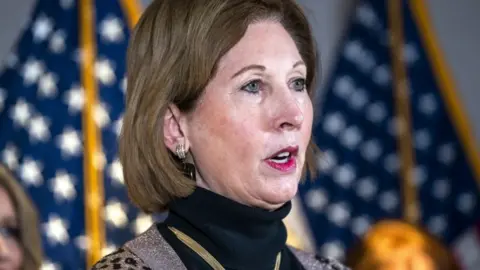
284, 160
281, 158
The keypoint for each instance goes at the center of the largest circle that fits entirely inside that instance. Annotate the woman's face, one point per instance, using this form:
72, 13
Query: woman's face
250, 130
10, 252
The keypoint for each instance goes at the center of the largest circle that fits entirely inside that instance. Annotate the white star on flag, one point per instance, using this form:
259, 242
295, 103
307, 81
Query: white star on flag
111, 30
116, 172
57, 42
42, 27
115, 214
32, 70
62, 186
10, 156
56, 230
74, 98
47, 86
47, 265
142, 223
104, 72
38, 129
69, 142
31, 172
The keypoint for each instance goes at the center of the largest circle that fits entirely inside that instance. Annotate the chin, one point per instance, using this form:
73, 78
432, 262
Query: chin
278, 196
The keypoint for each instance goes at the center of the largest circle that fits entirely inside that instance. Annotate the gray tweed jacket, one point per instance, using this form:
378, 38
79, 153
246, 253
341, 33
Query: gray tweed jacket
150, 251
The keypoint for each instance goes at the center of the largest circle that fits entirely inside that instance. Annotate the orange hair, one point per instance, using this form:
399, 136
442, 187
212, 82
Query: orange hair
386, 241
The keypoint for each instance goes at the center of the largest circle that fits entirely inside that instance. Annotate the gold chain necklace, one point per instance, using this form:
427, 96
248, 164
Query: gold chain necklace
206, 256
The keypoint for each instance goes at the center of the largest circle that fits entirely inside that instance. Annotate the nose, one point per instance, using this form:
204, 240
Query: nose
289, 115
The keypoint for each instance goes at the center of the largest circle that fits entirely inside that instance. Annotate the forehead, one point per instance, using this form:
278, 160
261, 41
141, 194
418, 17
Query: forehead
265, 43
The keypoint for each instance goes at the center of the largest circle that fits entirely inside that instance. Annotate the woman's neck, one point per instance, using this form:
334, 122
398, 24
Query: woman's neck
252, 203
235, 234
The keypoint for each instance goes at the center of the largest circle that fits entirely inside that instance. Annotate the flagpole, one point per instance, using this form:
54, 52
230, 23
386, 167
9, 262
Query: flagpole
403, 111
93, 177
132, 10
447, 86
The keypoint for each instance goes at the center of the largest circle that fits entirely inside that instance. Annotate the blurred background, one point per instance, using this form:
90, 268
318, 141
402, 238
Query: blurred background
405, 154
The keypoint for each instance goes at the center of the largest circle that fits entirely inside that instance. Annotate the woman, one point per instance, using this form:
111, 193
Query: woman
217, 130
20, 243
392, 244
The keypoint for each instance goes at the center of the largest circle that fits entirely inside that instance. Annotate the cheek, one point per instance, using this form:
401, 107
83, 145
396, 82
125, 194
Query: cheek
237, 134
248, 139
224, 130
16, 256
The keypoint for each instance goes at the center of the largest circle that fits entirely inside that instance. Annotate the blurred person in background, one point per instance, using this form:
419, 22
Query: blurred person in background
396, 245
20, 241
217, 130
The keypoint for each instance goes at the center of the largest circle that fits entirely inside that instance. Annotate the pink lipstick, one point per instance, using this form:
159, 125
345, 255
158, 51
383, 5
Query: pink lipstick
284, 160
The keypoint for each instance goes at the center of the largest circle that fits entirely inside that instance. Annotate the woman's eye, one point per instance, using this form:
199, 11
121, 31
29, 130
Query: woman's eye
10, 232
253, 86
299, 85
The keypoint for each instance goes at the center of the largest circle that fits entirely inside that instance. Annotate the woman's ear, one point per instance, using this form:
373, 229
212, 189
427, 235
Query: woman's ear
174, 128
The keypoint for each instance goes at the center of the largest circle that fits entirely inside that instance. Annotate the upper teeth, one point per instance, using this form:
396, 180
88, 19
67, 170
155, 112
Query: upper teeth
283, 154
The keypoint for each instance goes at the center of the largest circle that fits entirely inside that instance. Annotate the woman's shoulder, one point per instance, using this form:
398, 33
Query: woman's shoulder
121, 259
124, 259
314, 262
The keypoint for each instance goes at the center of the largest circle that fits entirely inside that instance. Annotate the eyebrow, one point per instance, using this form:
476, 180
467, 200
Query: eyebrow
262, 68
298, 63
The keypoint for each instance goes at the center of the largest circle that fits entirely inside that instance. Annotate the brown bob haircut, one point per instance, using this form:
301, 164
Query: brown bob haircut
27, 219
173, 53
388, 237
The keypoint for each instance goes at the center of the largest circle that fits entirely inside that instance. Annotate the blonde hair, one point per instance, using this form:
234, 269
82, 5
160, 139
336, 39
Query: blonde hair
30, 239
386, 238
173, 53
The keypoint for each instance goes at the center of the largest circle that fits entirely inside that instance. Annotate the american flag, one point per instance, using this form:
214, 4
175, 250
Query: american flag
61, 102
389, 106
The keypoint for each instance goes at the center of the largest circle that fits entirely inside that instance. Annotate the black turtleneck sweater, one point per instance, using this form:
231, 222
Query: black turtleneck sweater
238, 236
